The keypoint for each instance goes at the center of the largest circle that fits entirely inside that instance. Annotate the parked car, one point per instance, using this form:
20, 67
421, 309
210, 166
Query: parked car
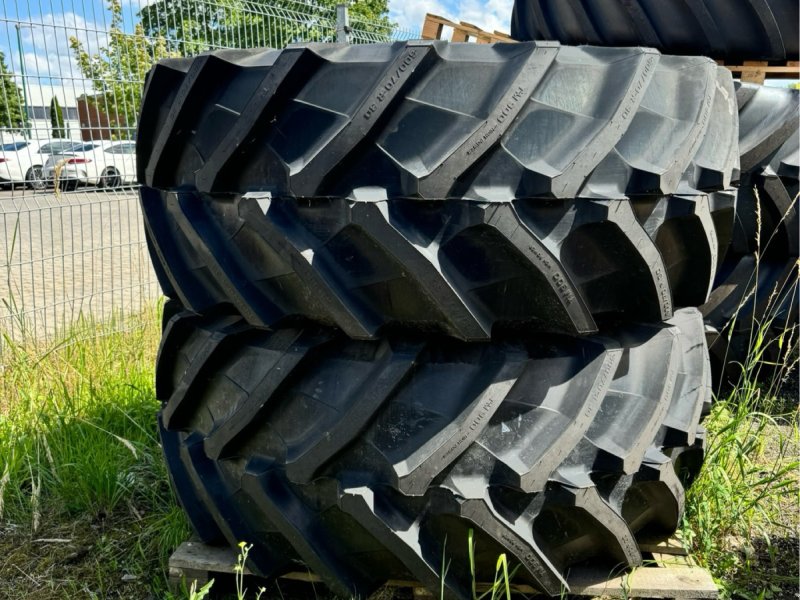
104, 164
22, 161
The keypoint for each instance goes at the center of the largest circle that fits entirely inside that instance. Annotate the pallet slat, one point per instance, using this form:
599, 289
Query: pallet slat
672, 576
681, 583
756, 71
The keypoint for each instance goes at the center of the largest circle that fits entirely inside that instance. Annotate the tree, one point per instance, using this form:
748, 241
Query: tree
57, 119
12, 116
194, 26
118, 70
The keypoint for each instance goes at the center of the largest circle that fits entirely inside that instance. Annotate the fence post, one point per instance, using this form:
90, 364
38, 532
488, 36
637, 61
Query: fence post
342, 24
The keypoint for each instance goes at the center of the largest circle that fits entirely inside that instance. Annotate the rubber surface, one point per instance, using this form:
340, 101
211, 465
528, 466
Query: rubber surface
770, 144
728, 30
461, 268
756, 290
431, 120
371, 460
753, 299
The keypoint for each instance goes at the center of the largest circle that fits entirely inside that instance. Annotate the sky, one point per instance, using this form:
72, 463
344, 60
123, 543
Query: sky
489, 15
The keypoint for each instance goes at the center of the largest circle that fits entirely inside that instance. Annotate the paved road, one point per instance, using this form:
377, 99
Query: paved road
79, 253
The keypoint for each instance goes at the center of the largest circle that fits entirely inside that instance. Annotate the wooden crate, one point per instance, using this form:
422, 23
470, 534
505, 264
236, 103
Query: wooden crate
668, 573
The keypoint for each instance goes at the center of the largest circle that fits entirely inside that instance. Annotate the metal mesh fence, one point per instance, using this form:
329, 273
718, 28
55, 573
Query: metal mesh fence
71, 79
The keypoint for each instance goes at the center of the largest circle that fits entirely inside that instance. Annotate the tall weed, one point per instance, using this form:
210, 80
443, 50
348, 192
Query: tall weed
741, 513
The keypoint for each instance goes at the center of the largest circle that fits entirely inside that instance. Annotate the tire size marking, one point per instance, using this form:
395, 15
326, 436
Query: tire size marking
385, 89
560, 284
632, 104
486, 409
525, 555
663, 290
508, 110
601, 384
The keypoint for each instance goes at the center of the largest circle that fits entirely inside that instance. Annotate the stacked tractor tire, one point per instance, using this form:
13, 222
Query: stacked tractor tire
421, 289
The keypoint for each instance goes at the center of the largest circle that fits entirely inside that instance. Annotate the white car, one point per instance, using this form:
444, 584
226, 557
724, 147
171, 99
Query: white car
104, 164
22, 161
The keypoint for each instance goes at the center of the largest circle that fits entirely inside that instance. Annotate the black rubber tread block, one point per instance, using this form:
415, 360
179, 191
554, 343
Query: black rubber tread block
622, 452
687, 461
575, 521
396, 526
466, 269
161, 275
231, 510
539, 422
650, 501
766, 215
786, 163
431, 120
331, 543
694, 378
768, 120
684, 231
430, 535
576, 424
543, 533
723, 212
711, 168
753, 297
191, 500
727, 30
766, 218
360, 458
171, 308
225, 79
633, 409
160, 87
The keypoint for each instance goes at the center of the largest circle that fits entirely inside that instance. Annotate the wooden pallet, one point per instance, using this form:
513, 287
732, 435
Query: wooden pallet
754, 71
669, 574
434, 29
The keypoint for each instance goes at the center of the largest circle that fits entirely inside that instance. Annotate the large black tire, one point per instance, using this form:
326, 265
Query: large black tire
769, 145
457, 267
755, 295
728, 30
430, 120
371, 460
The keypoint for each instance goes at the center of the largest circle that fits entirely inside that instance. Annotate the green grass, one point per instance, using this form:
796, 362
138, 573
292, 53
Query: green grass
82, 465
742, 512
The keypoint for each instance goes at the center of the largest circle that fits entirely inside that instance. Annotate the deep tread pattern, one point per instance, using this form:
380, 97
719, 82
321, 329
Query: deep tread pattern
461, 268
755, 297
756, 288
684, 231
728, 30
319, 448
767, 120
770, 145
160, 86
432, 120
